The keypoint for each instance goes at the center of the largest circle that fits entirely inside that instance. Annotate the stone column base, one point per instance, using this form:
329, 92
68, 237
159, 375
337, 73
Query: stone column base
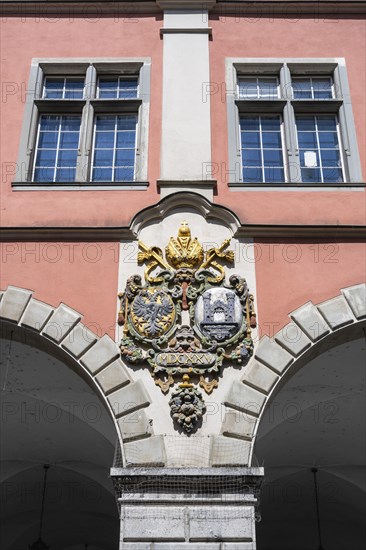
187, 508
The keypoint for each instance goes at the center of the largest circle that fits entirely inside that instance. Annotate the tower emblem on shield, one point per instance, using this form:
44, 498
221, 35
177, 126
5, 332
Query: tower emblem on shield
185, 321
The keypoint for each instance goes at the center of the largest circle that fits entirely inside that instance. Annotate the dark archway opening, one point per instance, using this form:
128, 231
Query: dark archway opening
316, 420
51, 415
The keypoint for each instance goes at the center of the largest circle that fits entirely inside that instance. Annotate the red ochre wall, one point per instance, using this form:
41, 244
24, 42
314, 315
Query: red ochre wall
291, 272
85, 278
82, 275
282, 38
27, 38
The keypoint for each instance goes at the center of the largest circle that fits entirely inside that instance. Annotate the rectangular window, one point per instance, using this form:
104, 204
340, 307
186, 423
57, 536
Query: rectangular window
258, 88
312, 88
63, 88
320, 155
117, 88
289, 122
57, 148
261, 141
114, 148
87, 123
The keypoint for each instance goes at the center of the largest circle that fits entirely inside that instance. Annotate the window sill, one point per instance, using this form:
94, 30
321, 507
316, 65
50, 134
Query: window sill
239, 186
78, 186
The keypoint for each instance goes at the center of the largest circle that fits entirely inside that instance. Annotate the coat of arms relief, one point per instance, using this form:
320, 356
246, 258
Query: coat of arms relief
186, 350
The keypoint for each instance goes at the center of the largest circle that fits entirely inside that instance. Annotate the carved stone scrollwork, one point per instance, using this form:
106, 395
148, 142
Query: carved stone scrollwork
221, 316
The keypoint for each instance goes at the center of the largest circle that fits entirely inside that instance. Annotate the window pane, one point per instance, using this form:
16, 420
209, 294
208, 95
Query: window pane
248, 88
125, 157
67, 157
123, 174
49, 122
252, 175
65, 174
268, 88
310, 175
104, 140
272, 157
70, 123
271, 123
126, 139
305, 124
326, 124
69, 140
301, 88
251, 157
43, 174
53, 88
249, 123
105, 122
331, 157
47, 139
332, 175
271, 139
103, 157
307, 140
74, 88
328, 140
102, 174
250, 140
322, 88
46, 157
128, 88
108, 88
126, 122
274, 175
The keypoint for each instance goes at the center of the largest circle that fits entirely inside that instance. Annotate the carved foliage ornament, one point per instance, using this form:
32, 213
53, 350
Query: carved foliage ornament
186, 321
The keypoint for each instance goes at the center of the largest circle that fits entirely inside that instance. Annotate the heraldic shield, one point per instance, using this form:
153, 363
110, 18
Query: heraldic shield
218, 321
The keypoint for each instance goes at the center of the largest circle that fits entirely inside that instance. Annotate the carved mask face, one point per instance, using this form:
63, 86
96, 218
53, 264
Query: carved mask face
185, 339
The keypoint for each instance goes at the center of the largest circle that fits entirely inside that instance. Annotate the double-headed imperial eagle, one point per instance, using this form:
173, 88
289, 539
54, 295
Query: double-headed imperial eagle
152, 313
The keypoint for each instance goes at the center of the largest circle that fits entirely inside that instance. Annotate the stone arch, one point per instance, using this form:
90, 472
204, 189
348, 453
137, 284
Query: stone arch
208, 210
312, 330
60, 332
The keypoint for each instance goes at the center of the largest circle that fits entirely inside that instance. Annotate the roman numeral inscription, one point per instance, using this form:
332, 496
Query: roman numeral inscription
190, 359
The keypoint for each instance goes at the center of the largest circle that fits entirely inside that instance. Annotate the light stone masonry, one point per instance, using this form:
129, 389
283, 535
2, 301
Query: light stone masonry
60, 323
129, 398
36, 315
102, 353
310, 321
259, 376
336, 312
113, 377
238, 424
292, 338
135, 426
148, 451
245, 398
14, 303
227, 451
79, 340
273, 355
356, 297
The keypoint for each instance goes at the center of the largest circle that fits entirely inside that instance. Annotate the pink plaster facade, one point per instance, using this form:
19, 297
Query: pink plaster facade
282, 285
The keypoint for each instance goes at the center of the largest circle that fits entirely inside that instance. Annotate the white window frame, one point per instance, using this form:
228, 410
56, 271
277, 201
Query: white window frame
88, 107
285, 104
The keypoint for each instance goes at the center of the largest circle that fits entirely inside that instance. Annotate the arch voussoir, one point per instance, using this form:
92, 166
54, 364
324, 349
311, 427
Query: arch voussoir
99, 357
272, 362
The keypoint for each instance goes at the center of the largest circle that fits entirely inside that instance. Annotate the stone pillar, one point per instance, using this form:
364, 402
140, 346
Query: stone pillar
187, 508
